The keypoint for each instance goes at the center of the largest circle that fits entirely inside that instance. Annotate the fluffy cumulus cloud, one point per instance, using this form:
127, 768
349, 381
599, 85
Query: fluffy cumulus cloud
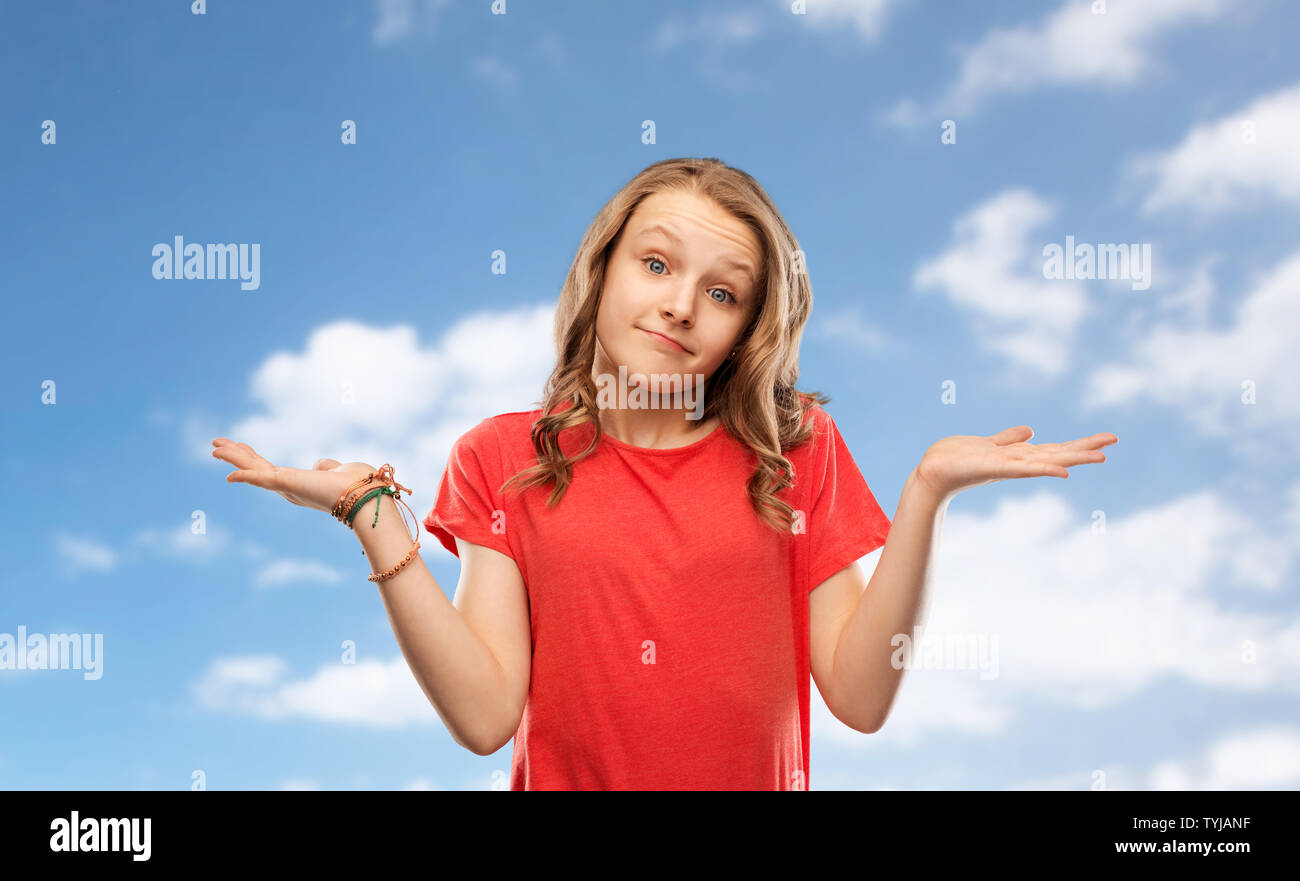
1231, 383
358, 393
1235, 162
1263, 757
377, 694
1075, 44
993, 272
1259, 758
1037, 606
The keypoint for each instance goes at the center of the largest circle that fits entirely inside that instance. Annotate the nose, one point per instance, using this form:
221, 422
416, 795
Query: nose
679, 305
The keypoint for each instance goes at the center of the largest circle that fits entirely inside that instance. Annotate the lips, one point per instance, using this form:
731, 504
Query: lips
666, 340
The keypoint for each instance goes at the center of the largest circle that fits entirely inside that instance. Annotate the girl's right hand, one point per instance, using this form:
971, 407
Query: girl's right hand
319, 488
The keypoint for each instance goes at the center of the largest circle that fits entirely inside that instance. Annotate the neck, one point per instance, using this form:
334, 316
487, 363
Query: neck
655, 429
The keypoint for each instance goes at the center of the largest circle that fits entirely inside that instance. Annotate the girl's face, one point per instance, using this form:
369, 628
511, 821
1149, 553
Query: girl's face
683, 268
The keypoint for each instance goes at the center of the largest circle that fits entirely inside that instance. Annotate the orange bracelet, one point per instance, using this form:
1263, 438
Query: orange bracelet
346, 501
389, 573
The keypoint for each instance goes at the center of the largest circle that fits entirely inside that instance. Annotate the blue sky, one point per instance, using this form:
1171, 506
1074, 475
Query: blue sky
1162, 651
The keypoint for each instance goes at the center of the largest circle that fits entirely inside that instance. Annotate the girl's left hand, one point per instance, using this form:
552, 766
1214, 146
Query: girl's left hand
962, 461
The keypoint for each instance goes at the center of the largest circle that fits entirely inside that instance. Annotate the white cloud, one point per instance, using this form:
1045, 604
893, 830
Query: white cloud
299, 785
993, 272
711, 28
712, 32
714, 29
369, 693
867, 17
1192, 300
1069, 46
357, 393
420, 784
398, 19
80, 554
1256, 759
1086, 620
497, 780
281, 572
1200, 370
1115, 777
1234, 162
180, 542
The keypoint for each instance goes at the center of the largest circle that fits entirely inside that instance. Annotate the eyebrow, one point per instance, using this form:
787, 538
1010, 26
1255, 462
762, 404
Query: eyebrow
676, 239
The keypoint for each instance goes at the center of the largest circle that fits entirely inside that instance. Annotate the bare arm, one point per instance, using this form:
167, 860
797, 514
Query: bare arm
472, 658
865, 679
896, 600
478, 693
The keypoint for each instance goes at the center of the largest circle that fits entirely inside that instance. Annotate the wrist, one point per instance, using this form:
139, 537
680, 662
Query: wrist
362, 499
364, 518
925, 492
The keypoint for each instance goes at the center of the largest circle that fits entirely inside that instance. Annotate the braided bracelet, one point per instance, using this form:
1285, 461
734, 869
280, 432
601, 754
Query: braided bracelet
356, 495
367, 497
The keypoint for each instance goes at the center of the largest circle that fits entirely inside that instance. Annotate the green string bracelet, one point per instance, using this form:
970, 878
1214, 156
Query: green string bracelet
367, 497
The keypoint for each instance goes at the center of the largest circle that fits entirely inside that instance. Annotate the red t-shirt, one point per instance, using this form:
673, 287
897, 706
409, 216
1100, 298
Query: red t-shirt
669, 623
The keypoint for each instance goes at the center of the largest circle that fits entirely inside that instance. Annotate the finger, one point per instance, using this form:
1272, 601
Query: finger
1104, 439
295, 481
264, 479
1038, 469
241, 456
325, 465
234, 455
257, 457
1012, 435
1066, 457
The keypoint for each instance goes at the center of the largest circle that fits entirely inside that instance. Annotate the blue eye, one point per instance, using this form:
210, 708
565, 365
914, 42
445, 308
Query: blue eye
656, 259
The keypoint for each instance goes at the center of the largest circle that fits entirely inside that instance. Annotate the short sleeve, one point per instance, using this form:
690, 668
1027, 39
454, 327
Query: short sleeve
844, 522
468, 505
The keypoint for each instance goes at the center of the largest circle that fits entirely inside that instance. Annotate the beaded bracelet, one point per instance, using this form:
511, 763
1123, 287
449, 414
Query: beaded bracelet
383, 475
346, 507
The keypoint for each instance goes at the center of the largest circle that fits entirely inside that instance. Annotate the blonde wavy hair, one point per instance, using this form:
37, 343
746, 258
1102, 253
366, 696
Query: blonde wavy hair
753, 394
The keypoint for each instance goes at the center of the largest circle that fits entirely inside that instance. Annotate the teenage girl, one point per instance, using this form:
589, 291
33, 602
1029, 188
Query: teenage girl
646, 586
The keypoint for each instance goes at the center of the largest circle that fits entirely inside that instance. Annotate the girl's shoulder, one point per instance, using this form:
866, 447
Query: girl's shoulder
504, 429
820, 420
813, 410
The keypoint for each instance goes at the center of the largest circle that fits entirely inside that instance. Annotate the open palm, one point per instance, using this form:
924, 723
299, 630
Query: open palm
319, 487
963, 461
